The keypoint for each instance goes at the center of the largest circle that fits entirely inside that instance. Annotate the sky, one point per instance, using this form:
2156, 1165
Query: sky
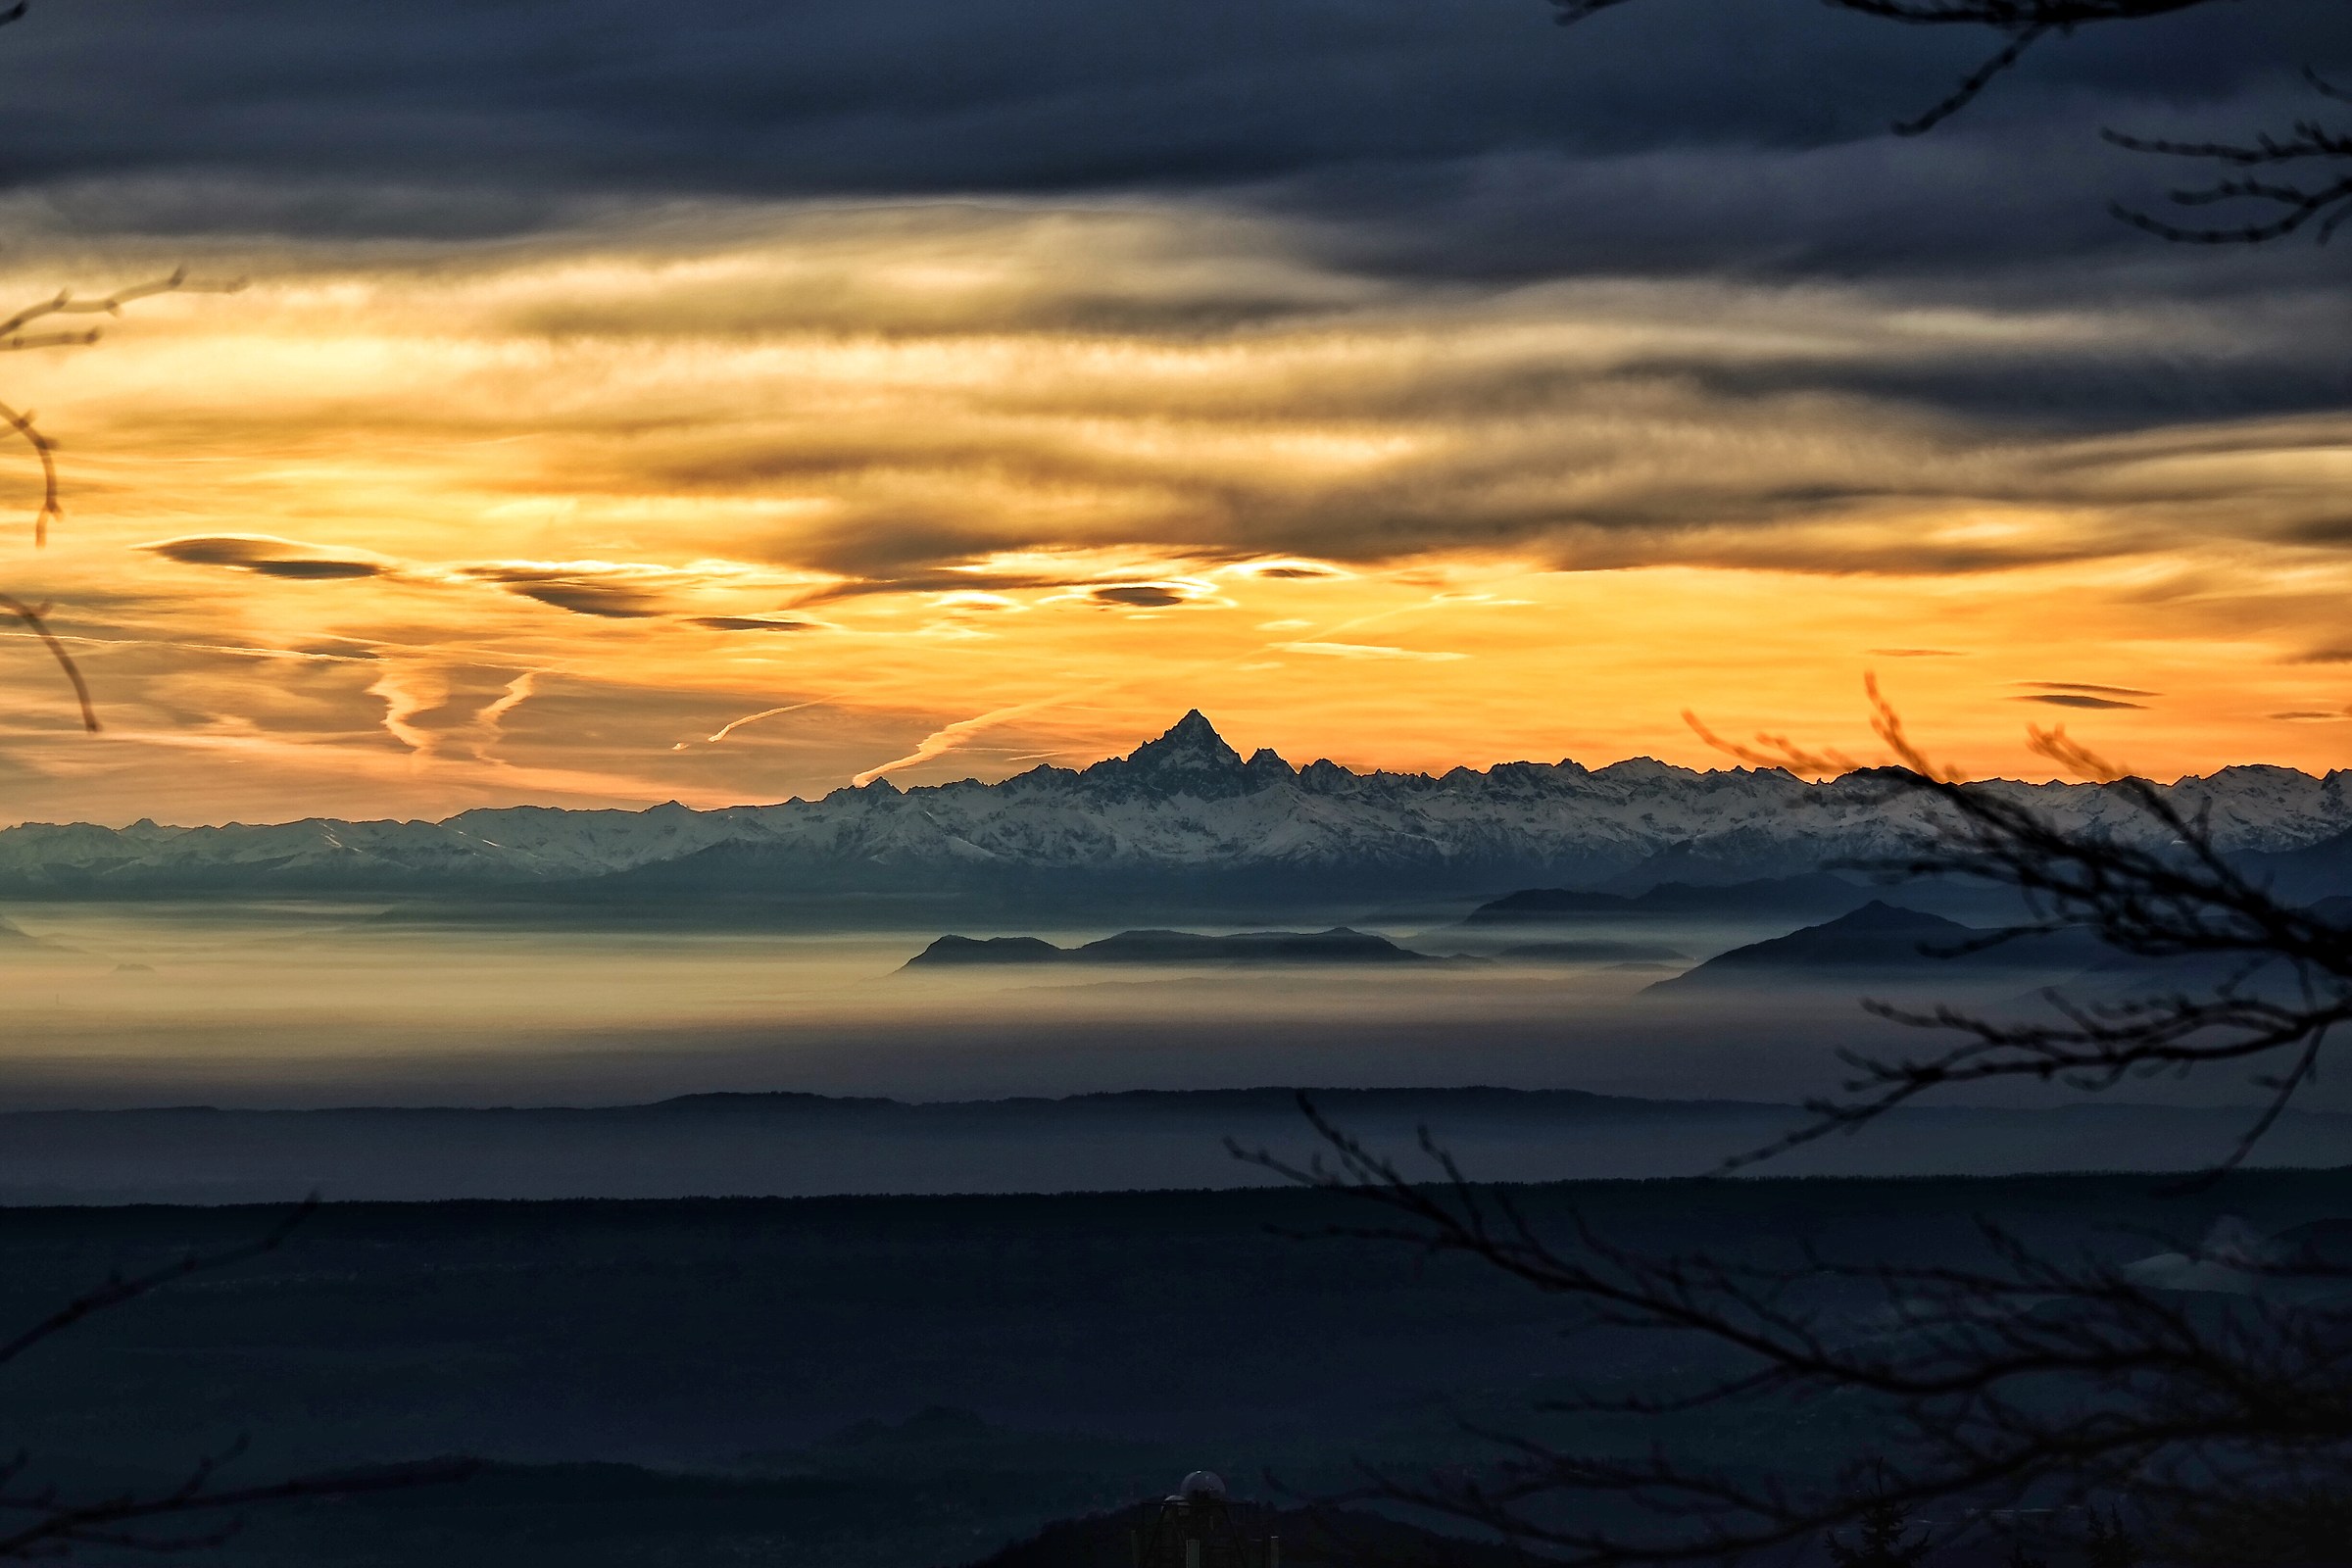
724, 402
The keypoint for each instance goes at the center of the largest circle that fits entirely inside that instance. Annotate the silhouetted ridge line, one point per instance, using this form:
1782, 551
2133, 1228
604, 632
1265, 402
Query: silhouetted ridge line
1181, 815
1339, 945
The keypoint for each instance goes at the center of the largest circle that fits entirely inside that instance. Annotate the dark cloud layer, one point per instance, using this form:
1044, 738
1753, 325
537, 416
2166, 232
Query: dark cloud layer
1464, 144
1670, 133
1417, 157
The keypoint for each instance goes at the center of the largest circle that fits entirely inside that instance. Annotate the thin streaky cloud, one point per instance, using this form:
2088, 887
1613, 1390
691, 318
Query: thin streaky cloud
2086, 688
2077, 700
494, 714
408, 692
1368, 650
730, 727
952, 737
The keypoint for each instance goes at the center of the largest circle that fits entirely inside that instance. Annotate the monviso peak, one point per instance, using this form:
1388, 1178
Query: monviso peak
1191, 759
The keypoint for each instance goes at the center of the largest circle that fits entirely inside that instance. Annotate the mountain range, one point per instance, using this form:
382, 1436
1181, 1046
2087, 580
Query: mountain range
1339, 945
1886, 941
1182, 816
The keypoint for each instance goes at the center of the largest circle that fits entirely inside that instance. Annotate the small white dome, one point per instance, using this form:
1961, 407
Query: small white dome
1202, 1483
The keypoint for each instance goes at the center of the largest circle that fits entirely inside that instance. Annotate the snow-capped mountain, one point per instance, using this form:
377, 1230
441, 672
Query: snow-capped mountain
1185, 808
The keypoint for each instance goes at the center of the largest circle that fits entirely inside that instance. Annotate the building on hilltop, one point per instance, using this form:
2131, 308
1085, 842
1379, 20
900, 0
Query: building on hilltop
1199, 1528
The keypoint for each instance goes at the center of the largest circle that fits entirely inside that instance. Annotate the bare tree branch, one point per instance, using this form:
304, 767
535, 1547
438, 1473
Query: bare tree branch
12, 328
2282, 206
36, 618
2022, 22
125, 1522
40, 1523
2322, 203
2285, 981
14, 337
121, 1288
2060, 1381
44, 451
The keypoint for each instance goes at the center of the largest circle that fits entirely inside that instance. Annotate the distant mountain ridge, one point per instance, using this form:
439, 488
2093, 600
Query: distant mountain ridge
1816, 893
1889, 940
1185, 813
802, 1144
1339, 945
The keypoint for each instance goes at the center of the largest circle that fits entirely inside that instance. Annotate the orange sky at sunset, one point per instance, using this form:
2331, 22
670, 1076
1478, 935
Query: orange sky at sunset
402, 530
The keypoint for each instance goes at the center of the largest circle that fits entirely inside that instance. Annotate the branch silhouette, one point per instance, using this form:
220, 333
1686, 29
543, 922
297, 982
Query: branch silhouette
2064, 1382
2284, 989
14, 336
2067, 1382
39, 1522
2319, 202
2021, 25
2284, 206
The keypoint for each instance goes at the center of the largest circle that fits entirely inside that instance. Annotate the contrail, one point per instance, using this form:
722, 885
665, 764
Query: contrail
939, 742
407, 693
728, 729
518, 690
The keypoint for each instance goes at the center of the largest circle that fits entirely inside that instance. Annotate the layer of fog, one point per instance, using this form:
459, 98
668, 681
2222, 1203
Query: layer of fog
294, 1006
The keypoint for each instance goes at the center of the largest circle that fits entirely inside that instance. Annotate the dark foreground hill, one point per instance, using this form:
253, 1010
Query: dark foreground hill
906, 1382
792, 1144
1810, 897
1886, 941
1305, 1535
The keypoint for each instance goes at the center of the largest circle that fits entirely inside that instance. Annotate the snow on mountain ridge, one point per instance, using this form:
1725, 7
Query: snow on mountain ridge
1183, 802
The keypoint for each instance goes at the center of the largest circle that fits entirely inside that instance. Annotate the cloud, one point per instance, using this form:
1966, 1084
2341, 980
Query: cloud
1164, 595
716, 315
492, 716
2310, 715
1366, 651
1290, 570
898, 400
952, 737
1139, 595
448, 119
607, 589
756, 623
2086, 688
410, 691
600, 589
2071, 699
608, 601
268, 556
734, 725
